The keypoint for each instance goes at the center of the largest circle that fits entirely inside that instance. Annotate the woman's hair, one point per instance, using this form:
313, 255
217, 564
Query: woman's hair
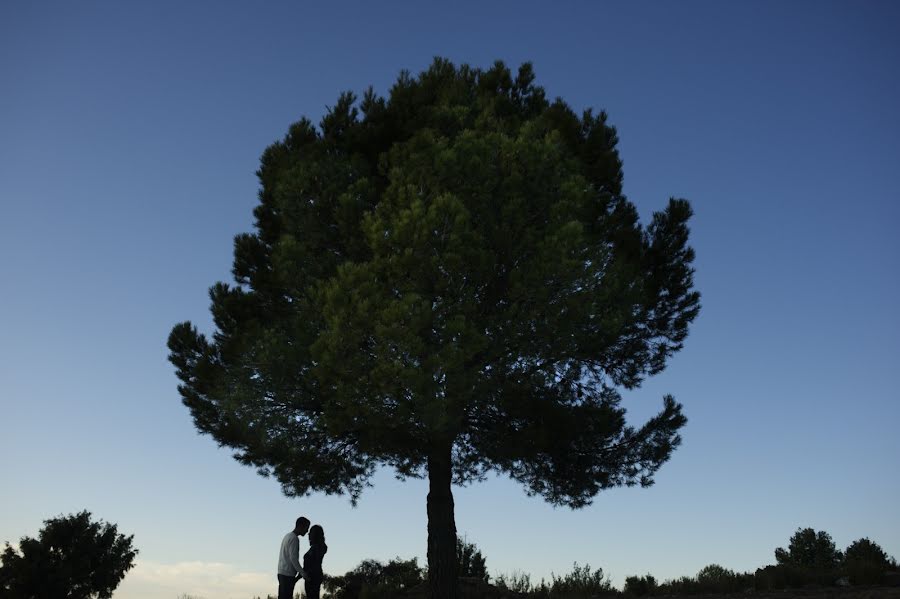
316, 535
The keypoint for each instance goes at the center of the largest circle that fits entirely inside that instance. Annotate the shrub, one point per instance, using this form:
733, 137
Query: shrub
580, 582
716, 579
784, 576
372, 579
685, 585
640, 586
710, 579
517, 582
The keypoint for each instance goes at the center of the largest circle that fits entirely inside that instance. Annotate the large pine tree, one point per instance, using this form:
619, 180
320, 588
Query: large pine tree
446, 281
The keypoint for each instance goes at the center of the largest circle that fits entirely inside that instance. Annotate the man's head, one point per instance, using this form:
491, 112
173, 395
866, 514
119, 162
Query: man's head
301, 526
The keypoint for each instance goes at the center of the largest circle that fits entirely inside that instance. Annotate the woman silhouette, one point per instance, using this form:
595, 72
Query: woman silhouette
312, 561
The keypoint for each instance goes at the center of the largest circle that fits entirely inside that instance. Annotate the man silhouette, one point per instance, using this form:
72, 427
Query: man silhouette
289, 568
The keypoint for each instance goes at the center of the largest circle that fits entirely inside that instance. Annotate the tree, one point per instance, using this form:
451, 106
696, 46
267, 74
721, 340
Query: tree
810, 549
470, 562
865, 562
865, 551
72, 558
446, 282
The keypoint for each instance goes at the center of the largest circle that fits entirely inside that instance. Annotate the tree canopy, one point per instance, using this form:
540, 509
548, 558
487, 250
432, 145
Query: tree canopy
866, 551
73, 557
447, 281
810, 549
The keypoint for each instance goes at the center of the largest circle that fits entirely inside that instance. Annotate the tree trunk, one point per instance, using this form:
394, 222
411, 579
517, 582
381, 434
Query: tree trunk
442, 568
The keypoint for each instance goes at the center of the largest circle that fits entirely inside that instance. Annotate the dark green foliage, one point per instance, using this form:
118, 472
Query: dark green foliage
72, 558
864, 550
686, 585
810, 549
581, 582
866, 562
372, 578
447, 281
792, 576
517, 582
454, 263
471, 563
640, 586
716, 579
813, 559
711, 579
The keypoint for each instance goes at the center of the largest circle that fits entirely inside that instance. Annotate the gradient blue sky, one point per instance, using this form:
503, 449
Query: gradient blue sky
129, 137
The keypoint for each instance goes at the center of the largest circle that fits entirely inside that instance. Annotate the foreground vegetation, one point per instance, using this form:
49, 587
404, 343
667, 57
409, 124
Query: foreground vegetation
77, 558
810, 560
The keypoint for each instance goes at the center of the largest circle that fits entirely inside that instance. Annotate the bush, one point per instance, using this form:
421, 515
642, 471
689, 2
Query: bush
789, 576
580, 582
517, 582
685, 585
639, 586
710, 579
72, 557
372, 579
716, 579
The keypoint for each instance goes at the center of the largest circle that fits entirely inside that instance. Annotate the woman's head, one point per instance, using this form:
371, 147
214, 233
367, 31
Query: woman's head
316, 535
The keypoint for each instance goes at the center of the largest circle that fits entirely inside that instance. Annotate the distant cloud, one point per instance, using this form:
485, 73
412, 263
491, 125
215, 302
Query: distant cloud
209, 580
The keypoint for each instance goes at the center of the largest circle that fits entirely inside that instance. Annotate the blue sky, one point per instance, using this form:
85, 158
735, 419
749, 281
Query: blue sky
129, 138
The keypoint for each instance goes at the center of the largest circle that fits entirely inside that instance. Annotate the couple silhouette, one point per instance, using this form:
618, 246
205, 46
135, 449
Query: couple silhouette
289, 568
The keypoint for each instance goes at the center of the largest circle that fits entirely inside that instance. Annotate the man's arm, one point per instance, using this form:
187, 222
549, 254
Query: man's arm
294, 553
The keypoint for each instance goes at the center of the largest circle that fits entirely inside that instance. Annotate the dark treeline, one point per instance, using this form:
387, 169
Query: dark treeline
810, 559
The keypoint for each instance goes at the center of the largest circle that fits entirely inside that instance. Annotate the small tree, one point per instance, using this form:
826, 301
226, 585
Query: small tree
864, 550
810, 549
72, 558
471, 562
865, 562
